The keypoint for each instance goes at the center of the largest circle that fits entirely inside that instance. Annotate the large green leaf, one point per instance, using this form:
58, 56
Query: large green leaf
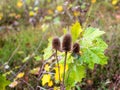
75, 74
89, 35
93, 47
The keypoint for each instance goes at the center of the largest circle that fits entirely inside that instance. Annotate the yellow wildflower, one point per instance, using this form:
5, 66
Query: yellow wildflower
50, 83
59, 8
76, 13
61, 72
45, 79
47, 67
57, 76
56, 88
20, 75
114, 2
31, 13
19, 4
93, 1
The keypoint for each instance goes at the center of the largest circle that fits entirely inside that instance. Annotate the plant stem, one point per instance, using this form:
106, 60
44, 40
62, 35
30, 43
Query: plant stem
58, 65
87, 18
64, 67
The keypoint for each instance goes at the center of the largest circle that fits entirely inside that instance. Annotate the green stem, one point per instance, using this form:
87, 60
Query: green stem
87, 18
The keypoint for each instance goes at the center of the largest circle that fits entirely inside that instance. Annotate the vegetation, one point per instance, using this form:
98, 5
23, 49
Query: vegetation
59, 45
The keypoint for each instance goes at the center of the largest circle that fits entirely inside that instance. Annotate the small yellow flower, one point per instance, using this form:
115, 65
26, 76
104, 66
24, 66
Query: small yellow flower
61, 72
76, 13
47, 67
57, 76
31, 13
114, 2
50, 83
59, 8
20, 75
93, 1
56, 88
45, 79
19, 4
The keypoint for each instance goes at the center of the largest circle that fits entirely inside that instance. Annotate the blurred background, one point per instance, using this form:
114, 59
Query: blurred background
26, 25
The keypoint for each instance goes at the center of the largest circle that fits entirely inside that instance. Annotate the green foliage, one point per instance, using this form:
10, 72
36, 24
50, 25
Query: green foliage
48, 50
75, 31
75, 74
92, 48
91, 43
37, 58
27, 40
3, 82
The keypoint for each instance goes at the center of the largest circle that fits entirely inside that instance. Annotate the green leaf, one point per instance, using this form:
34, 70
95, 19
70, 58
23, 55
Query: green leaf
48, 50
56, 20
78, 87
75, 74
93, 47
48, 18
89, 35
75, 31
37, 58
3, 82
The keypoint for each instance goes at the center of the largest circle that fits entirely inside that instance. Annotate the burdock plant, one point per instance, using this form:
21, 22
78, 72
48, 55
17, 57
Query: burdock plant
66, 47
56, 46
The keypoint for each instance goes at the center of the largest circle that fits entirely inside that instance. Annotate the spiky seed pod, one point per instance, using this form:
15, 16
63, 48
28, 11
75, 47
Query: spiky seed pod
76, 48
67, 41
56, 43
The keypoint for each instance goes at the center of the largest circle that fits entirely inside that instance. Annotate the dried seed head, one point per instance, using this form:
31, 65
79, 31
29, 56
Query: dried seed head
56, 43
67, 41
76, 48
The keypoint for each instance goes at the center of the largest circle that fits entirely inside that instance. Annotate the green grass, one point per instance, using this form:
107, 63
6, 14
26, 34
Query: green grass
25, 42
